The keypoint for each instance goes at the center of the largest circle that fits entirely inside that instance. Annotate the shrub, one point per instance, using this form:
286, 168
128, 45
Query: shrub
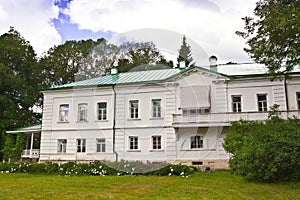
97, 168
268, 151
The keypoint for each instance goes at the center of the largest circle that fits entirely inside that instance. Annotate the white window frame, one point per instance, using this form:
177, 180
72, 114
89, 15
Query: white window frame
262, 104
102, 112
156, 109
64, 112
197, 142
134, 109
156, 142
81, 145
100, 145
62, 145
236, 106
82, 112
133, 143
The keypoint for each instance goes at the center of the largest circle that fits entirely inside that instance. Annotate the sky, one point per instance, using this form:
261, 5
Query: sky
209, 25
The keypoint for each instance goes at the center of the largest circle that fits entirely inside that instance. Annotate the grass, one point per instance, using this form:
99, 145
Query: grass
210, 185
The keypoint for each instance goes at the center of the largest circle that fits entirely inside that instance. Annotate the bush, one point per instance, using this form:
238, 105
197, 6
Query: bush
97, 168
265, 151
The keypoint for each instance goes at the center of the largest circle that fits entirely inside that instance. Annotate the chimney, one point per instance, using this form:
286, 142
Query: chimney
182, 64
213, 63
114, 69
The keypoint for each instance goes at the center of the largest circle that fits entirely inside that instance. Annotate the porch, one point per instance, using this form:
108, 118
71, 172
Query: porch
33, 136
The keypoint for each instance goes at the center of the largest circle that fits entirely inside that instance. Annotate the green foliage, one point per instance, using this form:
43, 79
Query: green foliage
185, 54
142, 56
20, 144
273, 34
123, 168
9, 147
265, 151
61, 63
19, 81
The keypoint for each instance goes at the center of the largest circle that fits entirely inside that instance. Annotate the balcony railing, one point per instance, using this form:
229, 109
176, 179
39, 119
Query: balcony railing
31, 153
223, 119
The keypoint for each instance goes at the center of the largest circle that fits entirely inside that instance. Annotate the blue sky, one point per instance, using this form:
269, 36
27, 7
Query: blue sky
70, 31
209, 25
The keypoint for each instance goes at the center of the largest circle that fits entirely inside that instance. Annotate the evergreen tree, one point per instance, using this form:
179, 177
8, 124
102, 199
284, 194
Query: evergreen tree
185, 54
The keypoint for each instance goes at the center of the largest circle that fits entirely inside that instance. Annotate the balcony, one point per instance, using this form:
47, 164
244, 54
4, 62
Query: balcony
31, 153
224, 119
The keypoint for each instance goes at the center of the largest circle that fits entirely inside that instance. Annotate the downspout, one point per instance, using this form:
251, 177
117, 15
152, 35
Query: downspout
114, 123
286, 95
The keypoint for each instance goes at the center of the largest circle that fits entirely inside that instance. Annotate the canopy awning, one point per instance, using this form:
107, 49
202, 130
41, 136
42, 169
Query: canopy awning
195, 97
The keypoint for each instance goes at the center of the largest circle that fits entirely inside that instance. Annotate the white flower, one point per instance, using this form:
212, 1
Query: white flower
170, 174
182, 173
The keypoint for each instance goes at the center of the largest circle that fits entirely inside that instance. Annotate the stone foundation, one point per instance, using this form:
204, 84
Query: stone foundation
211, 164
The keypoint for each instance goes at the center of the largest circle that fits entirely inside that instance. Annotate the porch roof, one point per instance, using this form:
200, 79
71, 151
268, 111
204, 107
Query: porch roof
29, 129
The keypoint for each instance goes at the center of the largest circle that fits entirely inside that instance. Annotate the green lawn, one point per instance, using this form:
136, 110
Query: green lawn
210, 185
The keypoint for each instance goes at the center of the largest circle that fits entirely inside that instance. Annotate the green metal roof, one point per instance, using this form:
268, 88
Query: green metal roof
135, 77
152, 76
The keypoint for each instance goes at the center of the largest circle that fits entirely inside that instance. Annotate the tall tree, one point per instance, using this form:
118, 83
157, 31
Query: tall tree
273, 35
141, 56
185, 54
61, 63
19, 81
98, 61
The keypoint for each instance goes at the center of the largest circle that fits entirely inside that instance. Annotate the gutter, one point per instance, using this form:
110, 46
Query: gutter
114, 124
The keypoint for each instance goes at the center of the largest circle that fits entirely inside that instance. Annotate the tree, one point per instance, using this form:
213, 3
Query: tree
61, 63
141, 56
265, 151
99, 60
19, 81
185, 54
273, 35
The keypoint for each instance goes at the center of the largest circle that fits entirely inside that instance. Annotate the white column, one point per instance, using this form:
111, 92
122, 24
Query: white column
31, 144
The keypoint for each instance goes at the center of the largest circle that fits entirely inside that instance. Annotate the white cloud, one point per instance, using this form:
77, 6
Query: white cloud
212, 24
33, 20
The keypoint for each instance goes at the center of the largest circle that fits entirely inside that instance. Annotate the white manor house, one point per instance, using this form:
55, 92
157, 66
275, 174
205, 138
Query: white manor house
170, 115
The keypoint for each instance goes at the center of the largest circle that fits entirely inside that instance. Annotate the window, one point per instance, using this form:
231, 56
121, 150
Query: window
100, 145
63, 112
133, 143
156, 140
262, 102
156, 108
236, 104
196, 142
102, 111
298, 100
62, 146
81, 145
134, 109
82, 112
196, 111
